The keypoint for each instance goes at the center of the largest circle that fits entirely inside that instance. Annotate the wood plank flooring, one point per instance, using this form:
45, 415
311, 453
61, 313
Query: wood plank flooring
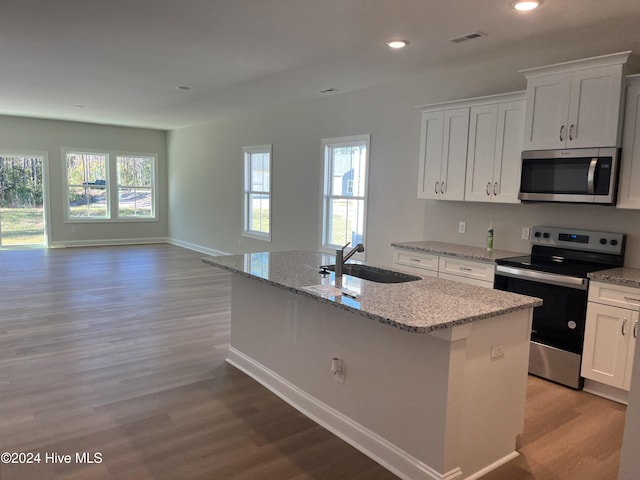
120, 351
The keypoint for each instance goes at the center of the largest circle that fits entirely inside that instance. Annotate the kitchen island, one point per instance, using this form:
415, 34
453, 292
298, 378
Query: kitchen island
426, 377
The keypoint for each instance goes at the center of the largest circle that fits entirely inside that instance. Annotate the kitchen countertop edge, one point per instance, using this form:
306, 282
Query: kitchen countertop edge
456, 250
374, 316
628, 277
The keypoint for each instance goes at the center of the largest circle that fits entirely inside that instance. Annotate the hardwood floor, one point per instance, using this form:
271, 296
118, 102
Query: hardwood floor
120, 351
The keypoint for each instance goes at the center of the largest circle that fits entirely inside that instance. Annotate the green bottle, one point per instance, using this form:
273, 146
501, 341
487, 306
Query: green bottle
490, 238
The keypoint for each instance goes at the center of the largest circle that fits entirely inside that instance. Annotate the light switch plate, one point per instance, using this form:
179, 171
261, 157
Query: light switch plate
526, 233
462, 227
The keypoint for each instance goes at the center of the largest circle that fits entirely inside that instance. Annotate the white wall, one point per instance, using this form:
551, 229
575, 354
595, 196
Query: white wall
205, 164
28, 134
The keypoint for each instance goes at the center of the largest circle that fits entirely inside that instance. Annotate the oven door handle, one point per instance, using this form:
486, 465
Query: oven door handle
543, 277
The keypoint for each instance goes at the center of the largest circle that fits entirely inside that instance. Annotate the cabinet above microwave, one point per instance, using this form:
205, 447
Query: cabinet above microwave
575, 104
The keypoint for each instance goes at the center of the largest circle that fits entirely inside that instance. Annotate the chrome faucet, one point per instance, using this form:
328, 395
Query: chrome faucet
341, 258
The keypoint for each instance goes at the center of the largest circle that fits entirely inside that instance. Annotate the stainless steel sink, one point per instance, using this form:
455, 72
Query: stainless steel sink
374, 274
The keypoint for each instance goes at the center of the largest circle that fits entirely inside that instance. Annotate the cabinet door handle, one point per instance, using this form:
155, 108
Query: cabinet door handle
495, 188
562, 133
442, 188
488, 186
624, 324
437, 183
571, 129
635, 330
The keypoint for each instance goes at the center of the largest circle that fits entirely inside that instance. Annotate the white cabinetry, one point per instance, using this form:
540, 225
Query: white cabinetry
466, 271
495, 149
629, 189
610, 334
575, 104
443, 154
443, 266
424, 264
495, 146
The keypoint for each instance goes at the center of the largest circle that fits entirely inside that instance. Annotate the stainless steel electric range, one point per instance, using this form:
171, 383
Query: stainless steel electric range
556, 271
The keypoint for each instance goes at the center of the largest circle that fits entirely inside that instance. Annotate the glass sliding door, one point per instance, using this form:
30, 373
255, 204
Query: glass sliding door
22, 214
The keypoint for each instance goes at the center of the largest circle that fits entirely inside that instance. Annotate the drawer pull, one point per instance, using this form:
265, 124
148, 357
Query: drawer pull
415, 260
624, 324
466, 269
631, 299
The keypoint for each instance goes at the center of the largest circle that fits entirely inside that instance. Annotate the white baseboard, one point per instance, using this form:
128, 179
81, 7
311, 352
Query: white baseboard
605, 391
195, 247
481, 473
106, 243
374, 446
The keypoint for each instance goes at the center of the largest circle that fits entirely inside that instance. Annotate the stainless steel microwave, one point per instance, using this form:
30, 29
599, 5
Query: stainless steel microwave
581, 175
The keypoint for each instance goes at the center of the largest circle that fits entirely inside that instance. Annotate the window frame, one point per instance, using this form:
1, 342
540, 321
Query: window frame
154, 190
85, 219
247, 153
112, 188
328, 145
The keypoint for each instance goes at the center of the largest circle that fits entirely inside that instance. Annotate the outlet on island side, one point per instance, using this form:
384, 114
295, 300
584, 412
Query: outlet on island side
337, 370
497, 352
462, 227
526, 233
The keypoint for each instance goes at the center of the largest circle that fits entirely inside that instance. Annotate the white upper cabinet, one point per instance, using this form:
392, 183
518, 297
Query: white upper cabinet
470, 149
575, 104
495, 146
443, 154
629, 188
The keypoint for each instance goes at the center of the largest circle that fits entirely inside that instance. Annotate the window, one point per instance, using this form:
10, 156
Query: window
257, 192
345, 191
87, 185
135, 186
96, 181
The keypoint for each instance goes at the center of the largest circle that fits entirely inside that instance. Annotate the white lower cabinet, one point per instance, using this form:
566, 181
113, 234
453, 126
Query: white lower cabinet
424, 264
443, 266
610, 334
466, 271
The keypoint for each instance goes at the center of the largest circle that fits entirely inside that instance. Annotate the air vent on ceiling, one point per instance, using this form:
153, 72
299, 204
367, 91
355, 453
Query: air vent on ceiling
470, 36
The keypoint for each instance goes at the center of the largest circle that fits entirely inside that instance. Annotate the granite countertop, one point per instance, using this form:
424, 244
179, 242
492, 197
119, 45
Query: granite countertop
455, 250
629, 277
419, 306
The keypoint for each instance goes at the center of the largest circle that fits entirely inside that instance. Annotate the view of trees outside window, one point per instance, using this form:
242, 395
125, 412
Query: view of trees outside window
21, 201
257, 191
135, 186
345, 193
87, 183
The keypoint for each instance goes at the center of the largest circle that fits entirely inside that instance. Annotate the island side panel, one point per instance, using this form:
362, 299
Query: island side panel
396, 382
439, 398
488, 393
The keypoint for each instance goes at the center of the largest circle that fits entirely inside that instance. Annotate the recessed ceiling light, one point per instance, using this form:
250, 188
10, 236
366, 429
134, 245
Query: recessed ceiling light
78, 106
184, 88
396, 44
527, 5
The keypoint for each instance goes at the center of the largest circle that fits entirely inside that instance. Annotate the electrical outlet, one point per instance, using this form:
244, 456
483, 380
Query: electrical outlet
526, 233
462, 227
497, 352
337, 370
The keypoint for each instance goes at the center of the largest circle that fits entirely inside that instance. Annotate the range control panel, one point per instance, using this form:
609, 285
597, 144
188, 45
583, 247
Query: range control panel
589, 240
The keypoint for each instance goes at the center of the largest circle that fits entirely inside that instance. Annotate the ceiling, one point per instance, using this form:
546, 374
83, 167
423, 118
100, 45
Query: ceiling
120, 61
